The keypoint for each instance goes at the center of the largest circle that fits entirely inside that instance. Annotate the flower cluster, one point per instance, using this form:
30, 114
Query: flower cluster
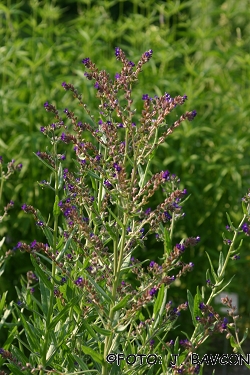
104, 211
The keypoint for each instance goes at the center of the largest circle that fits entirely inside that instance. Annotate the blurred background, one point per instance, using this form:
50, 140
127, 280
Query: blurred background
200, 49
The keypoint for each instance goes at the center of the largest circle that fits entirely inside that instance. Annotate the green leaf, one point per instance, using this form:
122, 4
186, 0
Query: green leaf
244, 207
63, 313
115, 217
167, 241
159, 301
2, 302
221, 264
15, 370
60, 176
233, 343
111, 231
80, 362
141, 174
32, 334
46, 230
212, 269
121, 304
102, 331
94, 175
176, 344
67, 244
191, 306
56, 208
220, 290
229, 221
245, 336
40, 273
96, 356
2, 242
197, 301
44, 162
45, 297
99, 290
90, 330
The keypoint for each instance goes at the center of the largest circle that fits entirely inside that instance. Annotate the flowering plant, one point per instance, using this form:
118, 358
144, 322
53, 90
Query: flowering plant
89, 306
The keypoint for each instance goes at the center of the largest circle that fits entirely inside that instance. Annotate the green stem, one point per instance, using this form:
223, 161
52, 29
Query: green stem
53, 273
220, 276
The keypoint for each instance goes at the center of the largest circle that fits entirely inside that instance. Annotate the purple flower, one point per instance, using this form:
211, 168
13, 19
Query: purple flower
131, 63
191, 115
145, 97
165, 175
245, 228
33, 244
236, 257
24, 206
224, 324
153, 291
63, 280
79, 281
167, 215
180, 247
107, 184
147, 211
117, 51
117, 167
148, 54
86, 62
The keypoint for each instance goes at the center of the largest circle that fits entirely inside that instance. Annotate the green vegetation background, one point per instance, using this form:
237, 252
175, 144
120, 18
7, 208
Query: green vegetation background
201, 49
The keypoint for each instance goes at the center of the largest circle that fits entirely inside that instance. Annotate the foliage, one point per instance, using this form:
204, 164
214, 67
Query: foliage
79, 312
200, 49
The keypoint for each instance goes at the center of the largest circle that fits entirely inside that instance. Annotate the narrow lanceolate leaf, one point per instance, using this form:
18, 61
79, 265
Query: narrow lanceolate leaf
102, 331
56, 208
212, 269
63, 312
44, 162
224, 286
40, 273
221, 264
45, 229
121, 304
229, 220
159, 300
244, 207
190, 299
93, 354
99, 290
